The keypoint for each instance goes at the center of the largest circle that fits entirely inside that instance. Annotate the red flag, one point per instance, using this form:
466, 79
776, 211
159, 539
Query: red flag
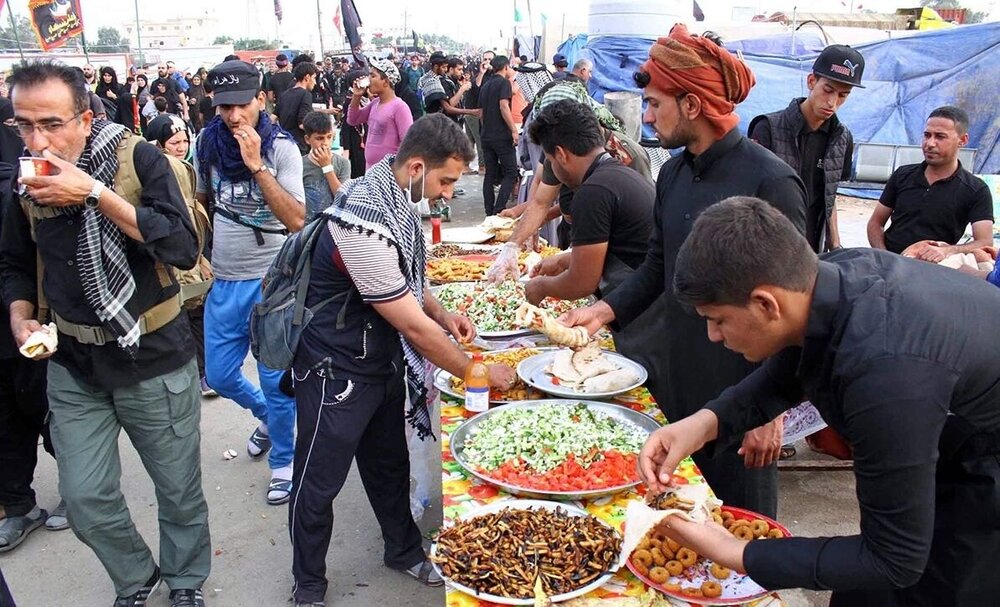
55, 21
277, 10
338, 21
2, 2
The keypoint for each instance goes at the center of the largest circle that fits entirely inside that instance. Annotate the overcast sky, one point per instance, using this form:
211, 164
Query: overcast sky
479, 23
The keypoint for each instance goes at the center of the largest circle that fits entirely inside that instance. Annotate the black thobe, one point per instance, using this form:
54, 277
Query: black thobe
902, 358
697, 370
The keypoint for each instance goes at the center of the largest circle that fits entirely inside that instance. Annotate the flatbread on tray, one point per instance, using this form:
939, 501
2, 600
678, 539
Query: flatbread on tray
640, 518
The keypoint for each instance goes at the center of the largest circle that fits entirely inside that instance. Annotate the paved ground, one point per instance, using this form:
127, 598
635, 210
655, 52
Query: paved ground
252, 559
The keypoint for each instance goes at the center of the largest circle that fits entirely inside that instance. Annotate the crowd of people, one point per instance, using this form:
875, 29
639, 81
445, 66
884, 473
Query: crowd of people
150, 254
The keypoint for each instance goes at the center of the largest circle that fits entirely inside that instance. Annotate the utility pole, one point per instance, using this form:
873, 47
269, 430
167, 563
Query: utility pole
138, 36
83, 39
319, 23
13, 28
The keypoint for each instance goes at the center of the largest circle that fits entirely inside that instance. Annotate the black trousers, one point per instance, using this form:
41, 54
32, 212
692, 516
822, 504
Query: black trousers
965, 551
501, 167
337, 421
352, 141
6, 600
23, 407
196, 318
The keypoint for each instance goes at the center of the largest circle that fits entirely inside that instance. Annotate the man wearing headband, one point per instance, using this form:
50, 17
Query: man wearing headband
691, 87
281, 80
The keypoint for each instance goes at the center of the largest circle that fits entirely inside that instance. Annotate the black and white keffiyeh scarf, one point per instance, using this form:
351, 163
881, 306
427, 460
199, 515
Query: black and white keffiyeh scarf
375, 205
100, 252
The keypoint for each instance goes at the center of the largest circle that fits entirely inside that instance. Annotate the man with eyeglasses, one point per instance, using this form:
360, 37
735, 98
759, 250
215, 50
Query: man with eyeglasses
125, 355
691, 86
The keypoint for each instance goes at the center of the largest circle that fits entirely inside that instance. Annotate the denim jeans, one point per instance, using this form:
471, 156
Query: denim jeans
227, 342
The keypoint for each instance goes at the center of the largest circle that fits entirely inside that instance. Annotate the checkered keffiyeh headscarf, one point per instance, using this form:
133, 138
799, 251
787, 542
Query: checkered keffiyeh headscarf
388, 68
375, 205
100, 253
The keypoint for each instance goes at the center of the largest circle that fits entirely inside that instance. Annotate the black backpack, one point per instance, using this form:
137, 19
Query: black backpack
277, 322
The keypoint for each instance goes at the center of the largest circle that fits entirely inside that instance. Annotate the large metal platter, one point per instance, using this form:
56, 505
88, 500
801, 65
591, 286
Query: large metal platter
532, 372
517, 504
442, 378
618, 412
487, 334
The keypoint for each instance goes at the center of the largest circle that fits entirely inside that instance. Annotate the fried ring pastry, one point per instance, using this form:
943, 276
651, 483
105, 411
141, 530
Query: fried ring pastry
674, 567
658, 575
743, 532
711, 590
687, 557
760, 528
642, 557
718, 572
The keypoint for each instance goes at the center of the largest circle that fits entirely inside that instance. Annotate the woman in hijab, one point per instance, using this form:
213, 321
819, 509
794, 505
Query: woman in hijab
141, 94
117, 97
195, 93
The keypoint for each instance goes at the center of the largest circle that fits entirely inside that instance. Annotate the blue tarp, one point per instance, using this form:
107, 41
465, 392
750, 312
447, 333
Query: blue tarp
573, 48
905, 78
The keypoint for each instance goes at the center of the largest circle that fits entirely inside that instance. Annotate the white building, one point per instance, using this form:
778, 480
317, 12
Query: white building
175, 32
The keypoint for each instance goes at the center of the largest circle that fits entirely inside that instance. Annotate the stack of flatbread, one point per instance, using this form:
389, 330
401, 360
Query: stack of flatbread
588, 370
533, 317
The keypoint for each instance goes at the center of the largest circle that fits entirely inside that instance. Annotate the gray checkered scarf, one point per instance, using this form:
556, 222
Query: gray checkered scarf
100, 252
375, 205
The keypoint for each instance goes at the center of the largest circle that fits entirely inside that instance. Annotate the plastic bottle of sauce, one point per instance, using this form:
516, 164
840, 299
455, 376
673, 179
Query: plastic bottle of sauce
435, 227
477, 386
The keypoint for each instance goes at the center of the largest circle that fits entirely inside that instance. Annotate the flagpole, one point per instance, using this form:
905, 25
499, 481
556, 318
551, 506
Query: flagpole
138, 36
13, 28
319, 24
83, 38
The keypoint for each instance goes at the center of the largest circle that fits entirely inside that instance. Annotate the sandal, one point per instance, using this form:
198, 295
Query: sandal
282, 487
260, 441
787, 452
15, 529
424, 573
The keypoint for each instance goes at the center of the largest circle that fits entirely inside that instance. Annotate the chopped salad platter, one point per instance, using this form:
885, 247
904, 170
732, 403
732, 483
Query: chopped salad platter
555, 449
492, 308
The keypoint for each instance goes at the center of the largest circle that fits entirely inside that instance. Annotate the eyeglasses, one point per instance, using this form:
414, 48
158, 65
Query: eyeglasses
26, 129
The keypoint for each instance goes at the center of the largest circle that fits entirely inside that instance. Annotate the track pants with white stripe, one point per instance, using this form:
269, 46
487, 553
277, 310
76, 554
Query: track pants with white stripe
339, 420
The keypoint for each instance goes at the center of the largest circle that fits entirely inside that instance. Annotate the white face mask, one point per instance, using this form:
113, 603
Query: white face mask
422, 203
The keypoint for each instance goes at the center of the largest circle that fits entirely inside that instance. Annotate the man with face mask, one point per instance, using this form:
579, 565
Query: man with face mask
692, 86
362, 353
252, 169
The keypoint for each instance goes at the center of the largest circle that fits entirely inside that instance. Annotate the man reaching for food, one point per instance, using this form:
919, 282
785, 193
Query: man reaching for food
876, 343
612, 218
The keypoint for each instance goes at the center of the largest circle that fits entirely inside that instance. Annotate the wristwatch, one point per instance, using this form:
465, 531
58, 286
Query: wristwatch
94, 197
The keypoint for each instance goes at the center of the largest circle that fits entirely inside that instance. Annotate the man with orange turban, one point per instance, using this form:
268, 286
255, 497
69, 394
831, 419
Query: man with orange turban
691, 87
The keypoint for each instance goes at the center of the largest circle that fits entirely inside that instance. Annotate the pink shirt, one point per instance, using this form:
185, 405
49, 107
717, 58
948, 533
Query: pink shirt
387, 125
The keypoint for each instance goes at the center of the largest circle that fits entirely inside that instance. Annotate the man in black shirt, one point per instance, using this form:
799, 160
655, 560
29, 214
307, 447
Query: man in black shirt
500, 135
281, 80
885, 349
812, 140
692, 106
125, 358
176, 100
456, 84
931, 203
296, 102
473, 122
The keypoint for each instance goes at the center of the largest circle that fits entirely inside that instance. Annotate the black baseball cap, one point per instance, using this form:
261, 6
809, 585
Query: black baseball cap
559, 60
234, 83
840, 63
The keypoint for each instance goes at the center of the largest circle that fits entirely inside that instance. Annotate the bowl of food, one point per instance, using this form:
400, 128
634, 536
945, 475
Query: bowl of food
586, 373
500, 552
455, 386
554, 449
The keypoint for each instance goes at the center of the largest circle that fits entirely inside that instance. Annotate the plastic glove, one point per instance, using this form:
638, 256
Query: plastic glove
505, 266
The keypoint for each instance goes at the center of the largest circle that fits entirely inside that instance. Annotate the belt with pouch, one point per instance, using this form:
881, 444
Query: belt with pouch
152, 320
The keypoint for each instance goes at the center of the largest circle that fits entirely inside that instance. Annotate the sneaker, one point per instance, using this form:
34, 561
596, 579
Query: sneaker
258, 444
206, 390
57, 520
459, 192
186, 598
309, 604
142, 595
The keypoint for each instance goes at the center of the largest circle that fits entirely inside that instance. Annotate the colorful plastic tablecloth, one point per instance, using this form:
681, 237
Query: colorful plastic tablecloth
463, 493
